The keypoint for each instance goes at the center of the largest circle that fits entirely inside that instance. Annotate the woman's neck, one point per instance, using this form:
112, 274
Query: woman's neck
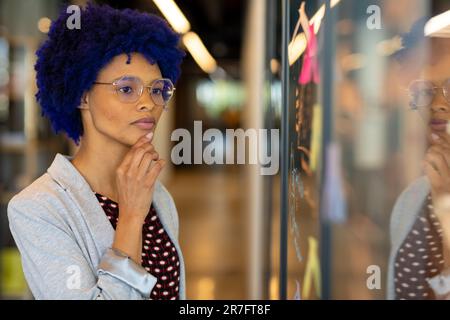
97, 163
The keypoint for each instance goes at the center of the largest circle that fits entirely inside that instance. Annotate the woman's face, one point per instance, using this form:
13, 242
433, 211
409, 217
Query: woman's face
108, 114
437, 71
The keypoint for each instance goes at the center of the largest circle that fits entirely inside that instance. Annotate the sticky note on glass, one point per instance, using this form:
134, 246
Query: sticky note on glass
12, 279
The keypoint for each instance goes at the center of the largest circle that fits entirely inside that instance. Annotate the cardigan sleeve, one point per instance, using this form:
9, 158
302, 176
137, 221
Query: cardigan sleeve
441, 285
55, 266
172, 208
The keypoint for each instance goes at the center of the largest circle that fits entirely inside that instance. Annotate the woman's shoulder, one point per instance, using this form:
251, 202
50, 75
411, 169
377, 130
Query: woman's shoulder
42, 192
43, 185
413, 193
409, 203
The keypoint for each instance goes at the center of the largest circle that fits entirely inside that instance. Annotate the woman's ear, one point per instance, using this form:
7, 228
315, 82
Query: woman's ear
84, 102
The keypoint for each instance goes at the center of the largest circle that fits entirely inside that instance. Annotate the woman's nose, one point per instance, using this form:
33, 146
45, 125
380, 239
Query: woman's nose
439, 104
146, 107
145, 102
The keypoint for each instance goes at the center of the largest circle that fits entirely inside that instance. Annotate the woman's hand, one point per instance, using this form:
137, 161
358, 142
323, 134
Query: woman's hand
437, 169
437, 164
135, 179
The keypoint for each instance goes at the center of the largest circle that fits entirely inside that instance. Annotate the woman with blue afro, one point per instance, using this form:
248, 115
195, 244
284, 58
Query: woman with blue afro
99, 224
419, 261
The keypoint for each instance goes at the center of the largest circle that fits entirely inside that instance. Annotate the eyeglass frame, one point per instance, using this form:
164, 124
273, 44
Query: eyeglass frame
114, 83
434, 88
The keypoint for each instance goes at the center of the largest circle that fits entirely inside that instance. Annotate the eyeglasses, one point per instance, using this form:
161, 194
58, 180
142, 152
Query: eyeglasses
129, 89
422, 92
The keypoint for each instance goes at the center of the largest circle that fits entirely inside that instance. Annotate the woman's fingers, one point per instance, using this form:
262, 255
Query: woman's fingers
432, 174
144, 139
146, 162
154, 171
442, 151
129, 156
138, 155
439, 139
438, 161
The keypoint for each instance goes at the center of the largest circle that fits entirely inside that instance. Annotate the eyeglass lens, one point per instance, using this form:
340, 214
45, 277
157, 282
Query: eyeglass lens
129, 90
422, 92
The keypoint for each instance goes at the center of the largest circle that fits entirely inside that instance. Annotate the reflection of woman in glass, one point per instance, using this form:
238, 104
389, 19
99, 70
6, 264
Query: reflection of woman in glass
420, 225
106, 83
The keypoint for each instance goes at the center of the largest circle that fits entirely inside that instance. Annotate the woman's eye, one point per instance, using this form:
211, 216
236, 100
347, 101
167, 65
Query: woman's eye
422, 94
126, 89
157, 91
425, 92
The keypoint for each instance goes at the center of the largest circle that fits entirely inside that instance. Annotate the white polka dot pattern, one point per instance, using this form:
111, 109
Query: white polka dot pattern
159, 256
419, 257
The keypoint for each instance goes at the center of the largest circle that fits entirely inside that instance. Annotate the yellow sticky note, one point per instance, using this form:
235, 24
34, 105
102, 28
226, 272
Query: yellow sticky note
316, 137
12, 280
312, 272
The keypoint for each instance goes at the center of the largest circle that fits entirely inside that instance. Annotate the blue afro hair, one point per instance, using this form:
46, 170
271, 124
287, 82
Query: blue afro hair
69, 61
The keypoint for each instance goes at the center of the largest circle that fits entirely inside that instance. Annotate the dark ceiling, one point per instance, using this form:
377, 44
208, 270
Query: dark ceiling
219, 23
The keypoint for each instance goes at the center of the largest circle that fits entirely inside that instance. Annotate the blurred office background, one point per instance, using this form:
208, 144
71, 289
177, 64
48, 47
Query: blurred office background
230, 214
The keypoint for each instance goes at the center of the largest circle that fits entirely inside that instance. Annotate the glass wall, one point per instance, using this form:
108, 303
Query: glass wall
355, 140
356, 88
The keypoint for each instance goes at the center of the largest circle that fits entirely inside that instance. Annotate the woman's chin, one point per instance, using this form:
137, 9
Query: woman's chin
440, 129
136, 137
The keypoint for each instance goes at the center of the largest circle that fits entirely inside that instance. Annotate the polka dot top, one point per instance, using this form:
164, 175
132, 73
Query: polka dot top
420, 257
159, 255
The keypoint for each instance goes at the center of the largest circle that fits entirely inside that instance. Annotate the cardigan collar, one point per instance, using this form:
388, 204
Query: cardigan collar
405, 212
71, 180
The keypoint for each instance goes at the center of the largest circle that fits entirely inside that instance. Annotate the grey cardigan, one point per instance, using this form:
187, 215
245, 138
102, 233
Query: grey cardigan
404, 214
64, 238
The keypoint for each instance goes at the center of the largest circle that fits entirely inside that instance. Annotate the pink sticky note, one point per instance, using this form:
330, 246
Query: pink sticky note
310, 67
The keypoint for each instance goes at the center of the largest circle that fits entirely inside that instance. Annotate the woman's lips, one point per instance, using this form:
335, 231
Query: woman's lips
438, 125
145, 125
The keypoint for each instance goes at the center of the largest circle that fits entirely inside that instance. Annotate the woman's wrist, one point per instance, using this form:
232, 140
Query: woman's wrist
128, 238
131, 219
